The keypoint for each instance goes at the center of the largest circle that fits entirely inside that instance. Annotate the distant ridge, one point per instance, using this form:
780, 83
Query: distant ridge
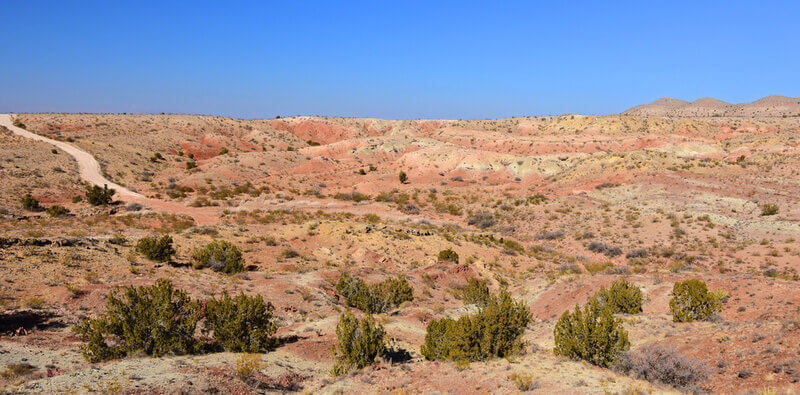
770, 106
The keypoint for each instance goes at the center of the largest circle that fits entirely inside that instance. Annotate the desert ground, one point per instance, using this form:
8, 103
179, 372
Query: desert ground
550, 208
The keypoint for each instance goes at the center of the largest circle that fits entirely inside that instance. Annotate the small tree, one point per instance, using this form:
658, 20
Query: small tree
97, 196
191, 165
691, 301
593, 335
448, 255
241, 324
358, 343
501, 323
444, 340
220, 256
622, 297
156, 320
30, 203
156, 249
495, 331
403, 177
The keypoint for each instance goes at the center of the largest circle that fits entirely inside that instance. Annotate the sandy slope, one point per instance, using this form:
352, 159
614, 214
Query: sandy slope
89, 168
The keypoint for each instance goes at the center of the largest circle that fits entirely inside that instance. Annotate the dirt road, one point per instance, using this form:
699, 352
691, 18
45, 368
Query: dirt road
87, 164
90, 171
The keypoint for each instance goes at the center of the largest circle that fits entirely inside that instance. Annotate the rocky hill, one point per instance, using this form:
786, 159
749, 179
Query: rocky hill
770, 106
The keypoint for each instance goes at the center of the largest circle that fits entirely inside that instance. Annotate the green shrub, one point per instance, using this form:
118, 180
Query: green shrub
241, 324
622, 297
355, 292
30, 203
769, 209
191, 164
220, 256
537, 199
593, 335
691, 301
445, 339
157, 320
97, 196
476, 291
448, 255
494, 331
403, 177
513, 245
354, 196
223, 151
376, 298
288, 254
156, 249
57, 211
358, 343
392, 292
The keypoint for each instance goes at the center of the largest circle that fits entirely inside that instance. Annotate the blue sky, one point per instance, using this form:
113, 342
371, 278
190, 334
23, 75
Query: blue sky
406, 59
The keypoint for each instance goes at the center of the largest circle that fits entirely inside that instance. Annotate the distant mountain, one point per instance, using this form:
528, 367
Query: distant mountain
770, 106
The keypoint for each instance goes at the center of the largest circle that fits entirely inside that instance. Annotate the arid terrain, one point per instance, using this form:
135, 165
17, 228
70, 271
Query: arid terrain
550, 208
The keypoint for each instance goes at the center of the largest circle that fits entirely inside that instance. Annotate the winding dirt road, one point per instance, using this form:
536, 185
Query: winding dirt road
87, 164
90, 171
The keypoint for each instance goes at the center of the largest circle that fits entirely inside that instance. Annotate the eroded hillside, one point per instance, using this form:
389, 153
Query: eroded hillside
549, 208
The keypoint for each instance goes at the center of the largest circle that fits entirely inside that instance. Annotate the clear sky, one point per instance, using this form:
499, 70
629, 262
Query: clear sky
391, 59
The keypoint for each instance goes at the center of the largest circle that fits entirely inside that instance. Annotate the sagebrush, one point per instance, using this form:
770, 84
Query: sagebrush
655, 363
